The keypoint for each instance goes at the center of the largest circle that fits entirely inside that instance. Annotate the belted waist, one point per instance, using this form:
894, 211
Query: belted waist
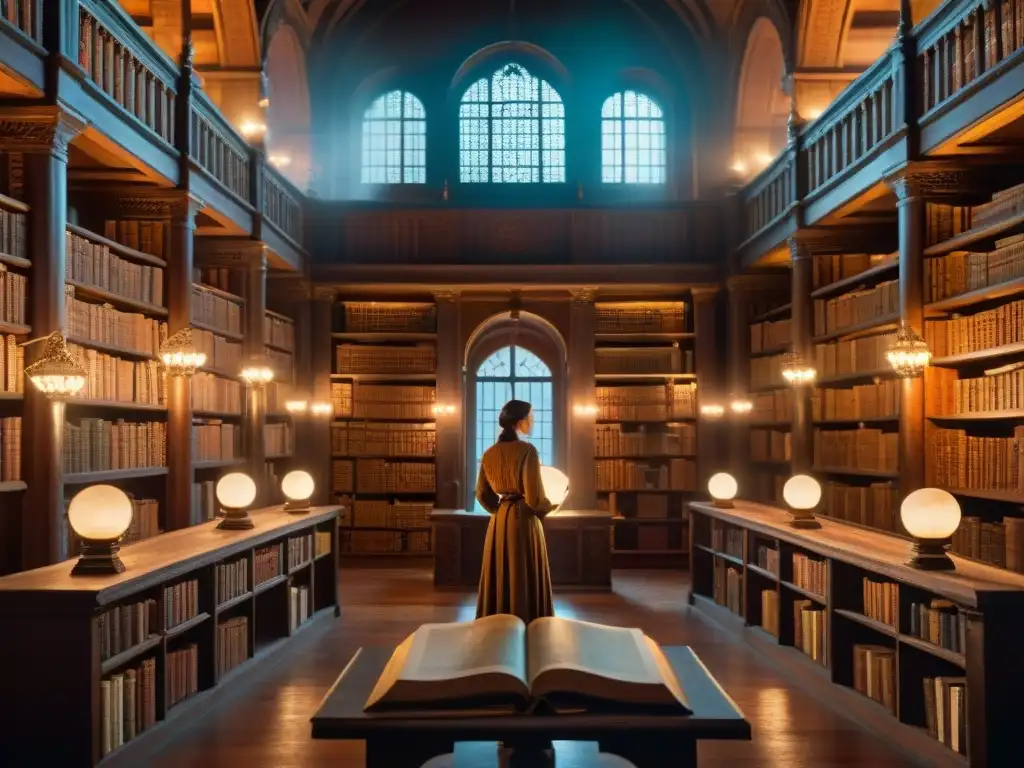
510, 497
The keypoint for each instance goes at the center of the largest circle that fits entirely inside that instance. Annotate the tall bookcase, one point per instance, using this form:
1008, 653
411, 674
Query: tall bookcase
646, 425
383, 437
279, 429
769, 422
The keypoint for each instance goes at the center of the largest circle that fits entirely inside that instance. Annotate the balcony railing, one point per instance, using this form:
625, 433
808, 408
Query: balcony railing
26, 15
218, 149
770, 196
282, 204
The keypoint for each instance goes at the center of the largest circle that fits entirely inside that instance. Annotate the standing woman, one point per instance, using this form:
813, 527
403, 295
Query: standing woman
515, 576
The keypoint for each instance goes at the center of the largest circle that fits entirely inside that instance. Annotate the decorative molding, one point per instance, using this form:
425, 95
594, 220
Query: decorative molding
324, 293
583, 295
799, 248
703, 293
39, 129
174, 204
447, 296
230, 252
929, 181
289, 287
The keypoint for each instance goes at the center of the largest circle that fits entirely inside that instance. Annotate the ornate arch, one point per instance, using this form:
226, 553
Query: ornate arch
482, 63
288, 116
762, 108
236, 26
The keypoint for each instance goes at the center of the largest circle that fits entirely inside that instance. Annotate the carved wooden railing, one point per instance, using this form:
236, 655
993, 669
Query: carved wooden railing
282, 204
127, 66
769, 196
26, 15
217, 148
950, 40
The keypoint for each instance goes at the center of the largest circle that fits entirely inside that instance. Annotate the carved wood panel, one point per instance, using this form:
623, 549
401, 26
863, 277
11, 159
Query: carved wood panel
564, 554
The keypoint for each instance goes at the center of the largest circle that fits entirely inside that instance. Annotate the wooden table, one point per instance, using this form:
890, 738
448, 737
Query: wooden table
648, 741
577, 540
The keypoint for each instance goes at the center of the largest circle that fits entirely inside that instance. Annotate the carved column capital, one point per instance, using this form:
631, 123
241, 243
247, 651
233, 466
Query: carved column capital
39, 129
583, 295
799, 248
702, 293
447, 296
177, 205
231, 252
921, 181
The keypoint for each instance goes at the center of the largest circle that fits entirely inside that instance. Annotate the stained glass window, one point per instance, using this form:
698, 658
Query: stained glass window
395, 140
511, 130
632, 140
514, 373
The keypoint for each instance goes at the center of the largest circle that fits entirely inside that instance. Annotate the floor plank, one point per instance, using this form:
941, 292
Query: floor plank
262, 719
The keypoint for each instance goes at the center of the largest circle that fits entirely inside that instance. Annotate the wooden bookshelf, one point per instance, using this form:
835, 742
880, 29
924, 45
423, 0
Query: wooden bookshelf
646, 432
866, 597
60, 623
279, 428
383, 433
767, 447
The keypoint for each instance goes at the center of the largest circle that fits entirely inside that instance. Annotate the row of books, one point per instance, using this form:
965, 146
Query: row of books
204, 501
266, 563
770, 611
299, 606
638, 317
215, 311
232, 579
989, 328
948, 395
772, 406
215, 440
96, 445
613, 440
998, 543
142, 236
1005, 203
832, 268
865, 401
102, 324
874, 674
279, 332
12, 234
770, 335
216, 394
10, 449
94, 264
810, 630
222, 278
728, 587
125, 626
378, 542
646, 403
182, 674
770, 445
124, 381
647, 506
942, 220
381, 476
221, 354
181, 603
375, 401
278, 439
282, 364
633, 360
232, 644
323, 542
300, 549
881, 601
861, 449
768, 559
810, 574
945, 711
369, 439
728, 540
873, 505
961, 461
961, 272
12, 364
368, 358
838, 358
13, 297
145, 521
939, 622
127, 705
632, 475
856, 308
766, 371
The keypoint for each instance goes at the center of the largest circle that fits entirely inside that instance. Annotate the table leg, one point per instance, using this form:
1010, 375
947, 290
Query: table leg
644, 752
384, 752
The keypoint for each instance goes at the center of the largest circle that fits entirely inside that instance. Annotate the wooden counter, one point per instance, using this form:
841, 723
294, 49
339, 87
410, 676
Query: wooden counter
577, 548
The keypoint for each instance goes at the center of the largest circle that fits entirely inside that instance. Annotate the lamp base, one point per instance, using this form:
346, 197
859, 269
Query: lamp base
297, 507
722, 503
98, 558
930, 555
236, 520
804, 521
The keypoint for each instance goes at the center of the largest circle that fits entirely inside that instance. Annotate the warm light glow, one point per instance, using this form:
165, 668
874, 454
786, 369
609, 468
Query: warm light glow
236, 490
584, 409
930, 513
812, 113
179, 355
263, 103
258, 374
321, 408
57, 373
252, 129
298, 485
280, 161
712, 411
296, 406
100, 513
909, 354
802, 492
442, 409
741, 407
556, 484
723, 487
796, 371
762, 159
738, 166
55, 385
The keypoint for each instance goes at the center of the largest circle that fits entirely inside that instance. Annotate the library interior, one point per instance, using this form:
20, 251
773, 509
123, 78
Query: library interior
741, 280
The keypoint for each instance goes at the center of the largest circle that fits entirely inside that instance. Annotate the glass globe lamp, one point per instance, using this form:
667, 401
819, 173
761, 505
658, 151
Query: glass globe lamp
235, 492
723, 489
802, 493
297, 487
556, 485
931, 516
100, 515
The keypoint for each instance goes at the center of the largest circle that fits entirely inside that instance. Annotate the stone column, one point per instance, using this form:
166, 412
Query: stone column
450, 451
582, 403
802, 332
254, 352
710, 384
321, 364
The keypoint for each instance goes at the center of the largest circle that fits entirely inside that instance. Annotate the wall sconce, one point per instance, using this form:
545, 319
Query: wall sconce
296, 406
179, 355
584, 409
280, 161
802, 493
235, 492
909, 355
444, 409
723, 489
712, 411
797, 371
741, 406
931, 516
252, 129
256, 375
321, 409
57, 374
100, 515
297, 486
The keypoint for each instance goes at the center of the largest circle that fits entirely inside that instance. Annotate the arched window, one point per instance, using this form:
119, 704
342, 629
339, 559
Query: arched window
514, 373
511, 129
395, 140
632, 140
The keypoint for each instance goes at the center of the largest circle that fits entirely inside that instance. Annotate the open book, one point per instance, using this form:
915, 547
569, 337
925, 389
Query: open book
500, 663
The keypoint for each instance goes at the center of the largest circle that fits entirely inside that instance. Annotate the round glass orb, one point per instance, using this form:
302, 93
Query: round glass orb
100, 513
723, 486
236, 490
556, 484
802, 492
930, 513
297, 485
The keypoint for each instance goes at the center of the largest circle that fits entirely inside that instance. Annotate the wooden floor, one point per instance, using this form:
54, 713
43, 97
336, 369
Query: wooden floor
261, 719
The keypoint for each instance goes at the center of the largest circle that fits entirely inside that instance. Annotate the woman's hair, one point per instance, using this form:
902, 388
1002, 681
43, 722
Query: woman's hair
513, 412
